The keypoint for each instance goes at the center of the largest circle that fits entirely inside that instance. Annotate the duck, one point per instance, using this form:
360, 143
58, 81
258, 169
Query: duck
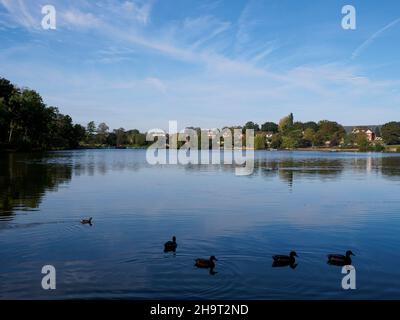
339, 259
283, 259
206, 263
87, 221
170, 245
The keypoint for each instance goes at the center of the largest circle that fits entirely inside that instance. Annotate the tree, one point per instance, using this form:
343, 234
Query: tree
298, 126
377, 132
311, 124
294, 139
329, 131
309, 135
362, 142
120, 137
102, 133
276, 141
269, 127
27, 123
79, 134
391, 133
251, 125
286, 123
259, 142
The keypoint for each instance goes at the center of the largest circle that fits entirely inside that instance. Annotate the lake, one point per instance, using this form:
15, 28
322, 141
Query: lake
312, 202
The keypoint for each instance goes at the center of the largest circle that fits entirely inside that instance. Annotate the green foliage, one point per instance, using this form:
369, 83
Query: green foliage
251, 125
276, 141
286, 123
269, 127
377, 132
311, 125
379, 148
294, 139
259, 142
362, 142
391, 133
329, 131
309, 135
27, 123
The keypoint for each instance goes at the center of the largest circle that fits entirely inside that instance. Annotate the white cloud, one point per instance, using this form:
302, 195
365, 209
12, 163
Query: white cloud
156, 83
76, 18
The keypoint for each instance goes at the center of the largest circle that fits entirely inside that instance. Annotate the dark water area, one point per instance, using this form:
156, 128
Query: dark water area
312, 202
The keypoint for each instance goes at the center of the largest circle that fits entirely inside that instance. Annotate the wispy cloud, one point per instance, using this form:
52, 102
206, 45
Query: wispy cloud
140, 12
20, 13
76, 18
372, 38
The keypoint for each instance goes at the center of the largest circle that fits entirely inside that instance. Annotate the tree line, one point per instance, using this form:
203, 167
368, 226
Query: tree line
288, 134
26, 122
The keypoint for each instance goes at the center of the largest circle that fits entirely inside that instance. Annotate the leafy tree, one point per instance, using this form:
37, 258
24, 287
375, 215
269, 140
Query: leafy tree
259, 142
294, 139
120, 136
276, 141
309, 135
251, 125
298, 126
269, 127
362, 142
26, 122
391, 133
377, 131
90, 132
102, 133
329, 131
79, 134
286, 123
312, 125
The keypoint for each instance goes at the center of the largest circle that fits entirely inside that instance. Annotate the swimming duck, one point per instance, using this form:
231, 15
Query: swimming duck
206, 263
339, 259
170, 245
283, 259
87, 221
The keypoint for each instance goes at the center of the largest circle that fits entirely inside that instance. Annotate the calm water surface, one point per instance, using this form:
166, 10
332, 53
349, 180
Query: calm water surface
315, 203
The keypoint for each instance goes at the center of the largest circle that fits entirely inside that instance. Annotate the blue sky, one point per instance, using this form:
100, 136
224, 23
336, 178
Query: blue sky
208, 63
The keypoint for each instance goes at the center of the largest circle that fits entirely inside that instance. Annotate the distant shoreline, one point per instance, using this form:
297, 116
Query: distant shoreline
333, 150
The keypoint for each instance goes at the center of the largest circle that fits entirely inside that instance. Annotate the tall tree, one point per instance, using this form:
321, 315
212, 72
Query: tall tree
286, 123
102, 133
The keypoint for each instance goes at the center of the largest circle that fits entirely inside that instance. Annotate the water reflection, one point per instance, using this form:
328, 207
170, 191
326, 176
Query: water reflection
24, 179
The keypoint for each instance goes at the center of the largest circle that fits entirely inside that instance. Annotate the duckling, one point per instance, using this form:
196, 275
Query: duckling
87, 221
170, 245
283, 259
206, 263
339, 259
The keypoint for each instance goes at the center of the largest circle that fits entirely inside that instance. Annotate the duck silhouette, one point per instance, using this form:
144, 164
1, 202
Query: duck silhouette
207, 264
281, 260
340, 259
87, 221
170, 245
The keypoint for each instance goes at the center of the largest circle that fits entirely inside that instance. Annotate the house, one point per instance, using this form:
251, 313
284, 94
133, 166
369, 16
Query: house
367, 131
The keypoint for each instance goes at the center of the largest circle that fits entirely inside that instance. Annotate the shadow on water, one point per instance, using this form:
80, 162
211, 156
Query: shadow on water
25, 178
277, 264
